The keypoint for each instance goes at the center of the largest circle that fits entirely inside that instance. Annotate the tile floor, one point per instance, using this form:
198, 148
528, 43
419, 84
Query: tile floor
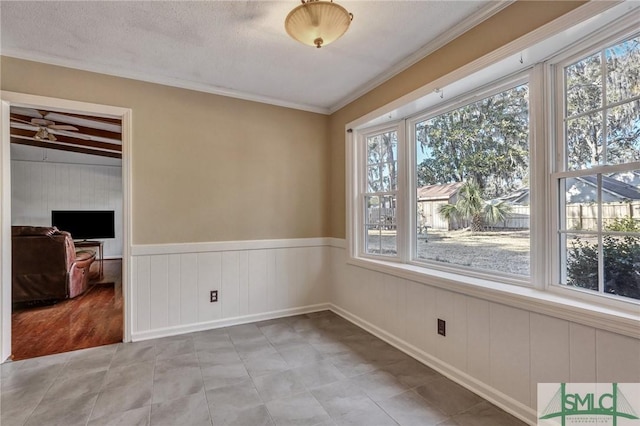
315, 369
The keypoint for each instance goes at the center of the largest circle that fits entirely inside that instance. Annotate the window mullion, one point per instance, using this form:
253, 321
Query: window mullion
603, 72
537, 175
410, 176
403, 197
600, 246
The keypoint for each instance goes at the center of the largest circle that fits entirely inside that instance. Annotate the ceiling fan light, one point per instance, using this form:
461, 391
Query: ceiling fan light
42, 133
317, 22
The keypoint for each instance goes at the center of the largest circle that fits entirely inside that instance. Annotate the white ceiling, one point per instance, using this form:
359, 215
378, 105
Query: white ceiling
238, 48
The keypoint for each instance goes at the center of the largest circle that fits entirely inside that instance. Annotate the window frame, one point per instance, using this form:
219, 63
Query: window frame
599, 42
574, 29
362, 192
484, 91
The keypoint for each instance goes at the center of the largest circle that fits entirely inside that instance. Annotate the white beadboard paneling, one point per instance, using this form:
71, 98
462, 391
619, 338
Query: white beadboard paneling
478, 357
582, 347
284, 257
401, 324
317, 267
174, 304
391, 287
209, 273
230, 286
258, 282
272, 277
143, 294
510, 351
415, 315
457, 333
243, 283
294, 259
617, 358
188, 288
452, 308
134, 293
443, 310
549, 352
431, 320
377, 309
37, 188
159, 288
172, 290
504, 350
355, 286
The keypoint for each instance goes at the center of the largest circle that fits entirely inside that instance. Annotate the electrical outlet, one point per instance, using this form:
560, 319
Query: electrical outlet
213, 296
442, 327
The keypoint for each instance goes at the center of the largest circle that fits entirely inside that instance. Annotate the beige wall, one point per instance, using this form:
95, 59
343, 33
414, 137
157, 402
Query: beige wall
205, 167
514, 21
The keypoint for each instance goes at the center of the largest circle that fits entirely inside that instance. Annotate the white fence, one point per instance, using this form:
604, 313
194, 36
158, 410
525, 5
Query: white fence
578, 216
381, 216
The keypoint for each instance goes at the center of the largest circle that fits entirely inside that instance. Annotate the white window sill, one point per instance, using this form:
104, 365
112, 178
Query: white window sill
550, 303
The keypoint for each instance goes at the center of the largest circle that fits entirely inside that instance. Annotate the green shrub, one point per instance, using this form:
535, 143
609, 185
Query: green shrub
621, 261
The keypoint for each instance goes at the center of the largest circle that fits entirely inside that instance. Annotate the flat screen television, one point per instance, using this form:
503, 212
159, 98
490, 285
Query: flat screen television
85, 224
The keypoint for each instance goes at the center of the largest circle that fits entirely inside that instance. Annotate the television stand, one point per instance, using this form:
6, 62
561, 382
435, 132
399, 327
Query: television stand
100, 257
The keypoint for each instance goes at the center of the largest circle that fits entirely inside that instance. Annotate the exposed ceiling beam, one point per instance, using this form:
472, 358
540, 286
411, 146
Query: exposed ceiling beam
115, 121
60, 147
81, 129
70, 140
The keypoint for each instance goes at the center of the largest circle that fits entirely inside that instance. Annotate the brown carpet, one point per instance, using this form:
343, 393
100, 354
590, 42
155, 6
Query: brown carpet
92, 319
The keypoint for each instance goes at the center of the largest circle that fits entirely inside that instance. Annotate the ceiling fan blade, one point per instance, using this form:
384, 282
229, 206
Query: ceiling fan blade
20, 121
62, 127
41, 122
51, 137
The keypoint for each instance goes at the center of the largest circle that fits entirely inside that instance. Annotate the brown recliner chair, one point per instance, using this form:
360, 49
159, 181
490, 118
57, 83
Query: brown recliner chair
45, 265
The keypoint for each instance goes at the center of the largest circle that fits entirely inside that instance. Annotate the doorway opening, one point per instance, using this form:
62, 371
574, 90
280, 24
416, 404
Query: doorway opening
68, 169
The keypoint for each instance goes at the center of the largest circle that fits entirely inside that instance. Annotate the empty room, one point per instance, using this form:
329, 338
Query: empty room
320, 212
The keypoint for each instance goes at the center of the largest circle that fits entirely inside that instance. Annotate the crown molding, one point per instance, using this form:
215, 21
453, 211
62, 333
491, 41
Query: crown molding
165, 81
435, 44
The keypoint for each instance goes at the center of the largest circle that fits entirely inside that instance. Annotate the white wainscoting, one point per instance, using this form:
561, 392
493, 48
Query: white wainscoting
498, 351
255, 280
39, 187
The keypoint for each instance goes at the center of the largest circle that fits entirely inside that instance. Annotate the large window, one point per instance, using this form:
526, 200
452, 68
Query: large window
471, 174
598, 170
531, 179
380, 196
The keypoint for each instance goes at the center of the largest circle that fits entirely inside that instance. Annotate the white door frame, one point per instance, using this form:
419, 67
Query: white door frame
8, 99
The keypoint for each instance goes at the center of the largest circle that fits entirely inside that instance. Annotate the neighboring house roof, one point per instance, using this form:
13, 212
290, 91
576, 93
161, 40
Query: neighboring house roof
438, 192
632, 177
584, 189
520, 196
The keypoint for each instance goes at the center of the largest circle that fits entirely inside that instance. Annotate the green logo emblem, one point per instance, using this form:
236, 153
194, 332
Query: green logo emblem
563, 404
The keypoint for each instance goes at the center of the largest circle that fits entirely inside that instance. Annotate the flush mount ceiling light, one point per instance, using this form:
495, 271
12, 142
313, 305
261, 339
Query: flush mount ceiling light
317, 22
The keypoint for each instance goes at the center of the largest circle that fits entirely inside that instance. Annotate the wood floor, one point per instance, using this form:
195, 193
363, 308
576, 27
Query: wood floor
93, 319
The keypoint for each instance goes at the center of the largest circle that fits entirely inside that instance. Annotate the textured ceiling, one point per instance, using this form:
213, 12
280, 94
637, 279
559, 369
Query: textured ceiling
234, 47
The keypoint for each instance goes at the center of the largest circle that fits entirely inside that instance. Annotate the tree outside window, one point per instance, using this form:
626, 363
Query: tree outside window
600, 212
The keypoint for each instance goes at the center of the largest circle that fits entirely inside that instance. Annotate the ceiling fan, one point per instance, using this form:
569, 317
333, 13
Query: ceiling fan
44, 127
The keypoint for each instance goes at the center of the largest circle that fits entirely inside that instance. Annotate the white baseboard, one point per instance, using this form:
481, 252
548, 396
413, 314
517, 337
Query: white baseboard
508, 404
225, 322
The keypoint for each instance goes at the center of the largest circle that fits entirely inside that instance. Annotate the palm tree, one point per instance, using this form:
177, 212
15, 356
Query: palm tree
472, 208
